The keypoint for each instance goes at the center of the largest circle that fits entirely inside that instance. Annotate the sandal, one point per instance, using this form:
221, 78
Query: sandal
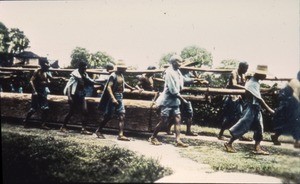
181, 144
229, 148
63, 129
154, 141
260, 152
296, 145
43, 126
191, 134
99, 135
85, 132
245, 139
222, 138
275, 140
123, 138
170, 133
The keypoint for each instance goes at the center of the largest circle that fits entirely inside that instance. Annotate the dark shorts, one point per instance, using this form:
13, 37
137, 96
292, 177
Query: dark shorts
40, 100
112, 109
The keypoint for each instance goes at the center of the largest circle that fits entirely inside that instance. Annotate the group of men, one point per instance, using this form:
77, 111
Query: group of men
245, 109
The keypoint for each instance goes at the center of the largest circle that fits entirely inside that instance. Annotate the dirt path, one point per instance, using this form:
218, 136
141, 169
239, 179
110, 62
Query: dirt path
187, 170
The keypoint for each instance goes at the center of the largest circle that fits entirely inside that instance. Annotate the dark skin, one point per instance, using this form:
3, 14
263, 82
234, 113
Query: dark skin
177, 117
121, 116
84, 110
44, 79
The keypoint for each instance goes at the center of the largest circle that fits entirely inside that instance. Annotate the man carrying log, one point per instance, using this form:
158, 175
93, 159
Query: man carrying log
233, 104
111, 101
252, 116
169, 101
75, 89
39, 82
186, 109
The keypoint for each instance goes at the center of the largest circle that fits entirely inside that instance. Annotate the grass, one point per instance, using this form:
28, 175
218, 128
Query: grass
43, 157
282, 162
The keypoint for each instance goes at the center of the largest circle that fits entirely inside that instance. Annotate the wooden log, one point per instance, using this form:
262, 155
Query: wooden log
151, 94
136, 72
139, 115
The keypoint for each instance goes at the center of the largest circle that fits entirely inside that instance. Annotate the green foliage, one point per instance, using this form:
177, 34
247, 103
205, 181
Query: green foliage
164, 60
4, 38
47, 159
100, 59
94, 60
229, 64
79, 54
12, 41
19, 42
220, 80
201, 55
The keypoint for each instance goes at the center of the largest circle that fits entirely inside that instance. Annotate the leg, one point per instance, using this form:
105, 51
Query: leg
68, 116
44, 117
29, 114
188, 127
179, 143
121, 136
275, 137
258, 135
169, 126
84, 114
106, 119
153, 138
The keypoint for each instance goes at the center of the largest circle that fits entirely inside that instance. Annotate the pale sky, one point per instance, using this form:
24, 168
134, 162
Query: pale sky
141, 31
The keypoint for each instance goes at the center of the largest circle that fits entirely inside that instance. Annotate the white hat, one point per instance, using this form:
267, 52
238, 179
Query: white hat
175, 58
120, 64
261, 69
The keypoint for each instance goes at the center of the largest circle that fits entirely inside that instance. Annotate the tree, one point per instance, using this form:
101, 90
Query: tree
4, 38
100, 59
19, 42
165, 59
220, 80
12, 41
229, 64
79, 54
201, 55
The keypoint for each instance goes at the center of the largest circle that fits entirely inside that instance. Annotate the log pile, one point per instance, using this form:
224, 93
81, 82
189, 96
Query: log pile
139, 115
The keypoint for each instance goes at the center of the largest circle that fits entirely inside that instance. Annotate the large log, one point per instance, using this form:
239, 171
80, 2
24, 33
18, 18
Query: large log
139, 115
135, 72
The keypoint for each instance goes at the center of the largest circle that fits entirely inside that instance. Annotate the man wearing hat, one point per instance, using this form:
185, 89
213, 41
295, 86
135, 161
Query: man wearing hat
170, 99
39, 82
252, 116
112, 100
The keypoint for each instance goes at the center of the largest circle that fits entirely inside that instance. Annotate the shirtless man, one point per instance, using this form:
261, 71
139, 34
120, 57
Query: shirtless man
233, 104
112, 101
40, 90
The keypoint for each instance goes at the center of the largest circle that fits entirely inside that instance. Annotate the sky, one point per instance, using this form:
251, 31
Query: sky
140, 32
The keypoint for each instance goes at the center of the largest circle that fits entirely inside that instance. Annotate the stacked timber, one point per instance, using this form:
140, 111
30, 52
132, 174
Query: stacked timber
140, 116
